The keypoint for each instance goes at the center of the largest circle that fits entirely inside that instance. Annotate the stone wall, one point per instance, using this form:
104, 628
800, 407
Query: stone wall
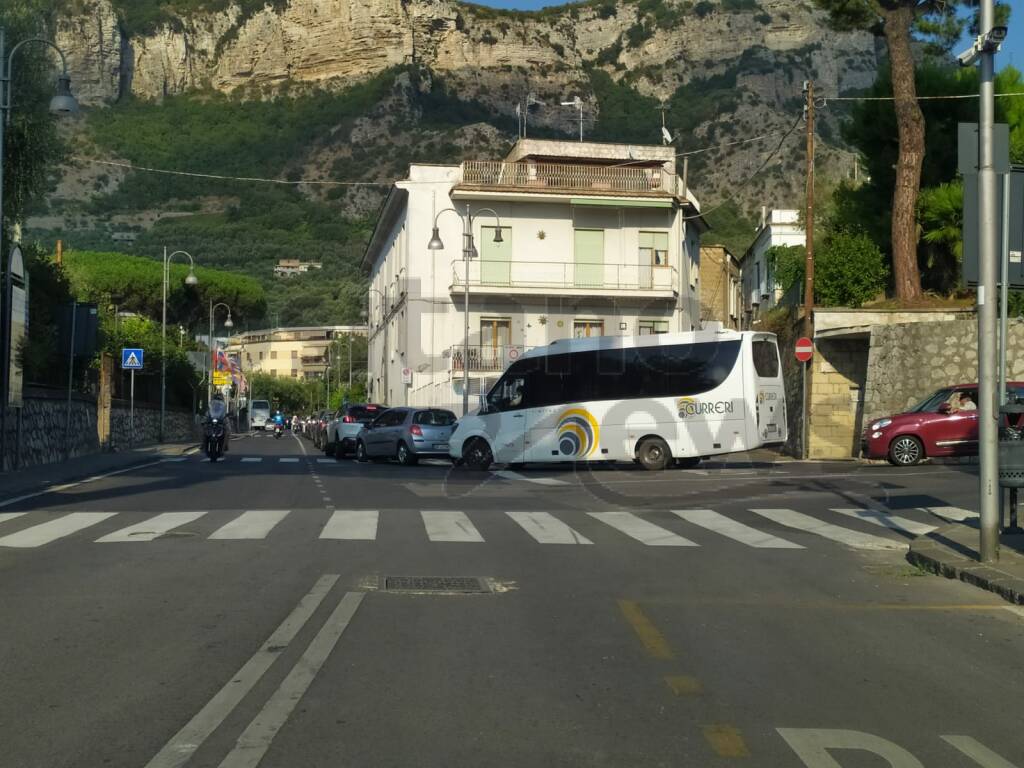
179, 426
837, 376
908, 361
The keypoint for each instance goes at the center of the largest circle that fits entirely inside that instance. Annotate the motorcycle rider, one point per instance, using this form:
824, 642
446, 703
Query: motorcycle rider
279, 420
218, 410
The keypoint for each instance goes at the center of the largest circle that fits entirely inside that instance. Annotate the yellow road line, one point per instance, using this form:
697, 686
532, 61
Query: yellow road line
725, 740
653, 641
684, 685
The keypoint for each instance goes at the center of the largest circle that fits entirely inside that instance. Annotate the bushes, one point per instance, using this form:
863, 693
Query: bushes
849, 269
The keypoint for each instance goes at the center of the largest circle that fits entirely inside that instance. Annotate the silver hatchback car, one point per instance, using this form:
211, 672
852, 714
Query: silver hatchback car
406, 434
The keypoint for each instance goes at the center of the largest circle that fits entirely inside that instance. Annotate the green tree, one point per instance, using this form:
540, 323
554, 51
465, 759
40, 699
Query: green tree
31, 144
941, 210
285, 393
849, 269
900, 23
49, 290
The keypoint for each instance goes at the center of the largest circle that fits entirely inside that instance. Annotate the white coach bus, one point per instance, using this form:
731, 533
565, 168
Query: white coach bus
656, 400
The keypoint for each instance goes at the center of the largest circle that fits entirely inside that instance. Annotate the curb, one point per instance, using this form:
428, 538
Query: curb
936, 558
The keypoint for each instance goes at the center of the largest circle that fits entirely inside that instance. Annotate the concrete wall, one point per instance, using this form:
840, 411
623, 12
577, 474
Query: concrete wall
837, 376
720, 293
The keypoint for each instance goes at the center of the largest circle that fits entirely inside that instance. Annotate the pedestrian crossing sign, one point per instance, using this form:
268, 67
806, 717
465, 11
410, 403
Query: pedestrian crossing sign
131, 359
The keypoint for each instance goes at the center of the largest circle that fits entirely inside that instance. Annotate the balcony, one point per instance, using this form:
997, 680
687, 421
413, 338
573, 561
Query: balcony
546, 278
484, 359
565, 178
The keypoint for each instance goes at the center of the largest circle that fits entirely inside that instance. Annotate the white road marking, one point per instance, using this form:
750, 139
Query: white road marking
289, 460
708, 518
851, 538
149, 529
177, 752
66, 486
352, 525
255, 740
449, 526
508, 474
895, 522
326, 461
252, 459
547, 529
254, 524
642, 530
5, 516
52, 530
1016, 609
952, 514
812, 746
978, 752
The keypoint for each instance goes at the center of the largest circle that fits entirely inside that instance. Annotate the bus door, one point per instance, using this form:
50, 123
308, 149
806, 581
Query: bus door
770, 394
542, 434
506, 417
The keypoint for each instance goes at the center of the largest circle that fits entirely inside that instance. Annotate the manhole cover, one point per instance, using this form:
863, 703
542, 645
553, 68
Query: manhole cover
450, 584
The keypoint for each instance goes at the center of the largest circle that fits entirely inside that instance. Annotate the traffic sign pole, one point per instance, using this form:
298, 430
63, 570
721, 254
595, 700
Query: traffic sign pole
804, 351
131, 413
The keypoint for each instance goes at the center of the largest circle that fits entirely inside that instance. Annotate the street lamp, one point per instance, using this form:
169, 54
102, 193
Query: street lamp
468, 252
213, 350
63, 103
191, 279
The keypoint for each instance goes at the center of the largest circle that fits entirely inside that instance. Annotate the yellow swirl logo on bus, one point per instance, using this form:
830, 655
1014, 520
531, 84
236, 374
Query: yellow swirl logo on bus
578, 433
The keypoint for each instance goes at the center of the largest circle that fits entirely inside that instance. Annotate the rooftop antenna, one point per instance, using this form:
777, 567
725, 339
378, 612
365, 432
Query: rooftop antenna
578, 103
666, 136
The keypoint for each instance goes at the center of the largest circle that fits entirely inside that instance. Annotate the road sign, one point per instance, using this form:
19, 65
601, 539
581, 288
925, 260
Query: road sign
513, 353
221, 378
131, 359
804, 349
407, 375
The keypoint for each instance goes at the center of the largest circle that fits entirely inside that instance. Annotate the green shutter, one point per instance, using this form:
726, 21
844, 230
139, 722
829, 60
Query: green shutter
495, 258
589, 250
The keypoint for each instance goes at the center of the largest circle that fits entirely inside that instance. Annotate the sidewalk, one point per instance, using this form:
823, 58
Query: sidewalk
953, 552
39, 477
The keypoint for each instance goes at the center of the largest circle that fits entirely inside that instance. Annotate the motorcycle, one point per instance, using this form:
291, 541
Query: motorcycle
278, 431
214, 442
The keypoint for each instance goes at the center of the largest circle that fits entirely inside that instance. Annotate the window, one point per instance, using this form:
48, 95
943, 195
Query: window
261, 355
654, 248
434, 418
295, 354
495, 332
766, 359
583, 329
273, 354
647, 327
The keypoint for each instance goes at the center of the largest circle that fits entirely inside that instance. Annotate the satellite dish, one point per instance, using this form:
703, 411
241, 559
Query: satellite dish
666, 136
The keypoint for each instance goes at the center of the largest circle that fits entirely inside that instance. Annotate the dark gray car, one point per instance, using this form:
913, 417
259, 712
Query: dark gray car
406, 434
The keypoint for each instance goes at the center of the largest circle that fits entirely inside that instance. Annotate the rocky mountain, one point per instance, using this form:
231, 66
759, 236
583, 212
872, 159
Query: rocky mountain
354, 90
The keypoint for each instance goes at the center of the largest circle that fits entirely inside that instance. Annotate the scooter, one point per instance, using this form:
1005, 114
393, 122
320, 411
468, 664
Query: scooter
214, 442
278, 431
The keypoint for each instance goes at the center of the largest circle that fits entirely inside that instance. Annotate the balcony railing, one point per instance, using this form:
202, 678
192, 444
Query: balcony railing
558, 177
484, 357
564, 275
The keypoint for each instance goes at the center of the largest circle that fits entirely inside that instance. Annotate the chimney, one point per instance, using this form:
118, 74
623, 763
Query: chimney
60, 252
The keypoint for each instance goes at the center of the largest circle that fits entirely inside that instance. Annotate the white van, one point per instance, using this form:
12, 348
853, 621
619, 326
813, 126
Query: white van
653, 399
259, 414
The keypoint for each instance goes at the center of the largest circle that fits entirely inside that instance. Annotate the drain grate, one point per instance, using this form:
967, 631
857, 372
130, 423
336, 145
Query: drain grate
436, 584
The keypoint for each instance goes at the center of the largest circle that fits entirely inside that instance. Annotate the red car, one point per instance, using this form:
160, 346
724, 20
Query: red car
943, 424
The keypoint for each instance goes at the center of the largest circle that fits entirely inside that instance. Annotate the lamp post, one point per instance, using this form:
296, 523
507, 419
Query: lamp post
62, 103
191, 279
468, 252
213, 350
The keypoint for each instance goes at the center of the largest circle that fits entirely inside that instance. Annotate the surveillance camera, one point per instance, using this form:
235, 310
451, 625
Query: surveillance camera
991, 41
968, 57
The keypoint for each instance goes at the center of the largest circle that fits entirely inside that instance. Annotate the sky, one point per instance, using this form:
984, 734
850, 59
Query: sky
1012, 52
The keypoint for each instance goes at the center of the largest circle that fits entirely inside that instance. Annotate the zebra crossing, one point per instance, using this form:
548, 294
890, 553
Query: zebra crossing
762, 528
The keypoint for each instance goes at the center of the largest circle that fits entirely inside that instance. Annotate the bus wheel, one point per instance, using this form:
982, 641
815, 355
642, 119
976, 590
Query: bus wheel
477, 455
688, 462
653, 453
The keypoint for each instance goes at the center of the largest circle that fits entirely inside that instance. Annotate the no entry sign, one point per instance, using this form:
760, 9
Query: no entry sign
804, 349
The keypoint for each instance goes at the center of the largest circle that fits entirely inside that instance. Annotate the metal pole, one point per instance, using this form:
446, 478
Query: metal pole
809, 235
467, 246
212, 359
5, 308
804, 448
350, 364
1004, 288
988, 455
71, 374
131, 412
163, 354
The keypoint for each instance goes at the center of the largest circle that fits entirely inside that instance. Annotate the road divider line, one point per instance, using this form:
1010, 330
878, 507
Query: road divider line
653, 641
855, 539
545, 528
253, 524
725, 740
255, 740
886, 520
179, 750
444, 525
150, 529
726, 526
52, 530
289, 460
508, 474
252, 459
642, 530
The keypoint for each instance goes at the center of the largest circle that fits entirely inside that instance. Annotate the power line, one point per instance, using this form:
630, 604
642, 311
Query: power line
826, 99
131, 167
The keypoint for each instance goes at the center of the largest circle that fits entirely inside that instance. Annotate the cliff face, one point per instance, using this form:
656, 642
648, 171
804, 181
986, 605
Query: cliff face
335, 42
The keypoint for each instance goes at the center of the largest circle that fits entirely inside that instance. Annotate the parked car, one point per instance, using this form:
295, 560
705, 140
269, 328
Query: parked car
344, 427
406, 434
943, 424
320, 428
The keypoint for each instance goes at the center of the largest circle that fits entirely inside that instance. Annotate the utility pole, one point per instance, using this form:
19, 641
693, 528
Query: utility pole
988, 415
809, 216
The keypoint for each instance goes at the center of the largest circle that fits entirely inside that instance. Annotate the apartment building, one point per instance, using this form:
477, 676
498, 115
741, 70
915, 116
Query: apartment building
761, 290
568, 239
300, 353
721, 295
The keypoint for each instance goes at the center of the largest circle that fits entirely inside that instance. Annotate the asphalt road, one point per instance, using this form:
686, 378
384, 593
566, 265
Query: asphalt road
239, 614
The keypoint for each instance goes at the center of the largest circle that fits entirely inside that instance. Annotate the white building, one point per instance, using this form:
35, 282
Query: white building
761, 291
297, 352
596, 239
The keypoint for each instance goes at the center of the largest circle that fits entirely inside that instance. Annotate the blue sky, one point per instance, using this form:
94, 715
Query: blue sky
1012, 53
